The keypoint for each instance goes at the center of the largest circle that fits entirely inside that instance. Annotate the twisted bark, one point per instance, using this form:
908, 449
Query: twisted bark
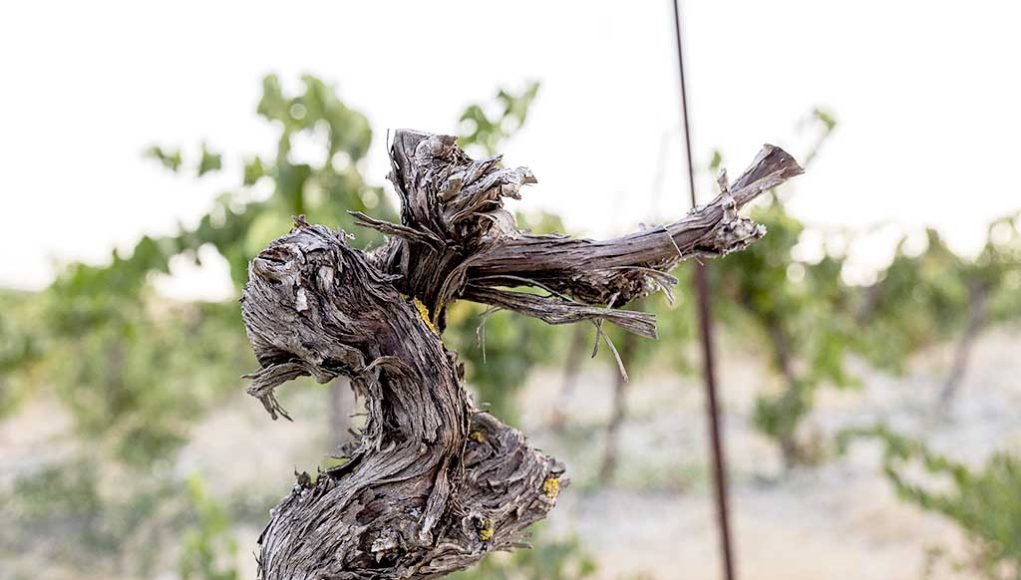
432, 484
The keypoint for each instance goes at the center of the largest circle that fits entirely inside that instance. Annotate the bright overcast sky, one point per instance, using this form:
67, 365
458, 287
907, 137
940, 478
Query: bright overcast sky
929, 108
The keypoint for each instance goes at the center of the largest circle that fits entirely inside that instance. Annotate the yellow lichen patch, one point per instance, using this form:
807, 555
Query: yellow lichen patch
551, 487
486, 533
425, 315
477, 437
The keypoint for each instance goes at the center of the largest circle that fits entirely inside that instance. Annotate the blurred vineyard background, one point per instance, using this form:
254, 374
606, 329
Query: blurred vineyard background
873, 429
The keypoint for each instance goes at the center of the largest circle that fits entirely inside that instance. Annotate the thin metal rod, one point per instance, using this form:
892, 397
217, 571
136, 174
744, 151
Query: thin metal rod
705, 316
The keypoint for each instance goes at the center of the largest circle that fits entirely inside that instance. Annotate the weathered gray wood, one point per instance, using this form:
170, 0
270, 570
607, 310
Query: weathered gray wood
432, 484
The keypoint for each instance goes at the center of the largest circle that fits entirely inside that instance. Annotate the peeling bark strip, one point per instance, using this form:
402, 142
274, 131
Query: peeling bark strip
432, 484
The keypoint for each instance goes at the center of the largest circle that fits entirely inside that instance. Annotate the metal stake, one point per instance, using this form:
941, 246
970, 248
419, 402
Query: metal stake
706, 327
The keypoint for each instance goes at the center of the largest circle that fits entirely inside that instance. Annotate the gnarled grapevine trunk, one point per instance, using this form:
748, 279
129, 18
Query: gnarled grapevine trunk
432, 483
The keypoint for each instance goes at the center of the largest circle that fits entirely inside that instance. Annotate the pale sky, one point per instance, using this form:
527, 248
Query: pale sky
927, 95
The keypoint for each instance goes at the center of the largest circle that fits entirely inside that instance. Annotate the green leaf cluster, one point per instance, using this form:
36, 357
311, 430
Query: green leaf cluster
983, 501
208, 550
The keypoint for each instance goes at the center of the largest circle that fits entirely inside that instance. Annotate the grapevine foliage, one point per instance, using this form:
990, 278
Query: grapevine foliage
983, 501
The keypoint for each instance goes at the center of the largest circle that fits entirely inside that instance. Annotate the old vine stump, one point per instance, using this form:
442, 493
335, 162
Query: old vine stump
433, 484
